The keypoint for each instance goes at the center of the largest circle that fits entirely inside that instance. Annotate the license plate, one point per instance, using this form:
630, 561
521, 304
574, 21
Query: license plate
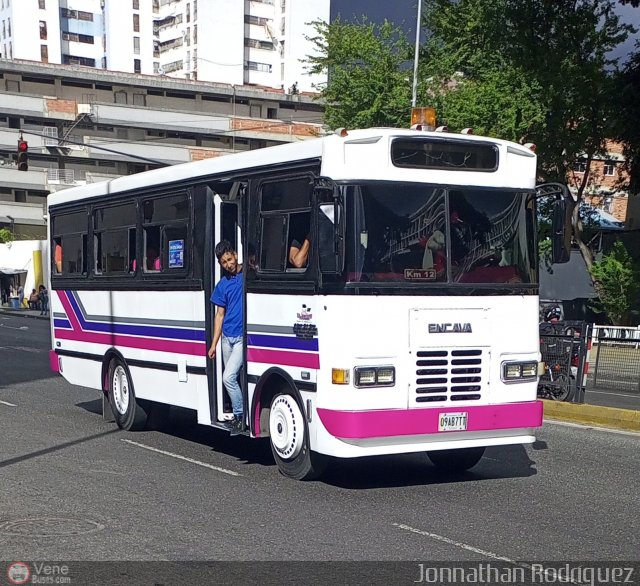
453, 421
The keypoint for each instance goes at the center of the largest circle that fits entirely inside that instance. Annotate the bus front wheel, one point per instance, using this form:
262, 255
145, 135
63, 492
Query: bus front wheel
129, 415
289, 437
456, 460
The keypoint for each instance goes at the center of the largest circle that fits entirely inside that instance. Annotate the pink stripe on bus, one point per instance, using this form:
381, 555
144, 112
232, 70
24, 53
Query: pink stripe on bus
75, 324
54, 365
398, 422
283, 358
176, 347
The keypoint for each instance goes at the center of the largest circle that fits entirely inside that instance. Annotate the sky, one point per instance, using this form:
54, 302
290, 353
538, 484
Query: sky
405, 12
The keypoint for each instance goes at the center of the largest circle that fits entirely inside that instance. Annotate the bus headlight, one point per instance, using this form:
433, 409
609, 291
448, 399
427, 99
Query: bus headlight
374, 376
519, 371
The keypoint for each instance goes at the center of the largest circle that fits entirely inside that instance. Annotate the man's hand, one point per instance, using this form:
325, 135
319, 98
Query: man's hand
212, 351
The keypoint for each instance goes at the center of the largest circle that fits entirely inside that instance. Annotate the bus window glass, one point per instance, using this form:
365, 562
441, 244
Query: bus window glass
114, 239
293, 194
166, 209
490, 235
152, 261
273, 239
444, 154
174, 246
285, 208
70, 243
398, 233
165, 225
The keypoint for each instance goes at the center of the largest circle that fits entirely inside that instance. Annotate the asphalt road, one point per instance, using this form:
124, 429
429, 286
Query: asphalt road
73, 487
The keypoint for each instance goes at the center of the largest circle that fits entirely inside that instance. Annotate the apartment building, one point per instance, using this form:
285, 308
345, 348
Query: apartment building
239, 42
84, 125
605, 188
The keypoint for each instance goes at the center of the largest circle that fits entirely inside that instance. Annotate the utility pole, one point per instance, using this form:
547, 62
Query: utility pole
415, 57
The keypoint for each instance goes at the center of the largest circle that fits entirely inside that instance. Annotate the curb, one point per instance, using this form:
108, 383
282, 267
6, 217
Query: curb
611, 417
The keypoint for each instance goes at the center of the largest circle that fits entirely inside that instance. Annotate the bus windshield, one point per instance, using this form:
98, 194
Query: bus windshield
413, 233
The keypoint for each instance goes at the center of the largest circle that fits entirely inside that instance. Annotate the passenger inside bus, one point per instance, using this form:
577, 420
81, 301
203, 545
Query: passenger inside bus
299, 240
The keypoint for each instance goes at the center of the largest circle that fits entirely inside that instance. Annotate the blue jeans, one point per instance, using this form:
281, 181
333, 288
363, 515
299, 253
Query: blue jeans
232, 356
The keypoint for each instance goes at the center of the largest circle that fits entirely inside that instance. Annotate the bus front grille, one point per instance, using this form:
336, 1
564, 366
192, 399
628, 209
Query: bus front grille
448, 375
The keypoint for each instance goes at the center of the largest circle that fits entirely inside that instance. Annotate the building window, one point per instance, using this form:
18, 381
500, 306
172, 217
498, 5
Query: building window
44, 54
136, 23
9, 27
188, 37
156, 67
85, 15
41, 4
10, 50
78, 38
195, 34
272, 113
188, 12
4, 29
609, 168
580, 166
136, 4
75, 60
136, 45
255, 66
195, 10
137, 66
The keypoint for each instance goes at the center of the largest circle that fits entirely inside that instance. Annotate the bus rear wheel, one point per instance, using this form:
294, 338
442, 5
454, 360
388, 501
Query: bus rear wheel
289, 437
456, 460
129, 415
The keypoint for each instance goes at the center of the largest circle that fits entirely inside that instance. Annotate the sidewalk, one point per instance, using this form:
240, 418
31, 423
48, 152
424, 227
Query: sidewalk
23, 312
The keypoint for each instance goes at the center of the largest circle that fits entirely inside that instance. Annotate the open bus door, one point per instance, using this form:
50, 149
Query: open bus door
224, 213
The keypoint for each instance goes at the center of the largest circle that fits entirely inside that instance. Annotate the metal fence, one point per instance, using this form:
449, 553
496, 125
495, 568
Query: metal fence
615, 359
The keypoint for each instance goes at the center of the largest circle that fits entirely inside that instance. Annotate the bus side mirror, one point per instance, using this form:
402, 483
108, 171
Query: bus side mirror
330, 237
561, 227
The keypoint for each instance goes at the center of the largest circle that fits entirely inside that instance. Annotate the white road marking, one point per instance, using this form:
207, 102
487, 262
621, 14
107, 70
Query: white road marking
494, 556
179, 457
459, 544
7, 403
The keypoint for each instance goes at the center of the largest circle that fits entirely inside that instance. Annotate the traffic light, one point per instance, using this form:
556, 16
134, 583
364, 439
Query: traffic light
23, 155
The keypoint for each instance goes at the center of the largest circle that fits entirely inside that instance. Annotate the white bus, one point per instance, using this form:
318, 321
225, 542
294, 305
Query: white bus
413, 326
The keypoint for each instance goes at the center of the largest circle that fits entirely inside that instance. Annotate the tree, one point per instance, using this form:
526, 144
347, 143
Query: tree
5, 236
619, 280
553, 55
628, 121
366, 67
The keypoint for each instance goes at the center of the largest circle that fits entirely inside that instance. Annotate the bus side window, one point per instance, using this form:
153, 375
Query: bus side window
285, 224
152, 261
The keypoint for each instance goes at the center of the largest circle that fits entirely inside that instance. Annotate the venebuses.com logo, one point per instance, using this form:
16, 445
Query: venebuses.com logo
18, 573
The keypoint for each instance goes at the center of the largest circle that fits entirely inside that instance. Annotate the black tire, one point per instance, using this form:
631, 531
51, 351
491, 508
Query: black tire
127, 412
289, 438
562, 389
456, 460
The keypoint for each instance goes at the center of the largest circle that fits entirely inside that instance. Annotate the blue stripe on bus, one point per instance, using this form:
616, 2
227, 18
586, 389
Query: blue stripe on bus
61, 323
281, 342
134, 330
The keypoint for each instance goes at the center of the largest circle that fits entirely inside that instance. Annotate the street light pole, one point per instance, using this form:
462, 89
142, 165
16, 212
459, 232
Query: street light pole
415, 57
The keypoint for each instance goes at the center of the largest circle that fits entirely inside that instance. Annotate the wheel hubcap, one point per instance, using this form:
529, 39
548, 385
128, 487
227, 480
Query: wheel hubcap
286, 427
120, 389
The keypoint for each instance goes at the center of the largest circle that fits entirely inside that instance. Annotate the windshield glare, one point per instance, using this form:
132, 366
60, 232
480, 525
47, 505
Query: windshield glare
414, 233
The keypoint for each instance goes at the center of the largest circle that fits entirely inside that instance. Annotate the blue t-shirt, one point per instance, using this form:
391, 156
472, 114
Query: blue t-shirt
228, 294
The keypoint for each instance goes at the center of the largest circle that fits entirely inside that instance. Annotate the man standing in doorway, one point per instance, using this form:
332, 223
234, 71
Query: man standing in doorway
228, 324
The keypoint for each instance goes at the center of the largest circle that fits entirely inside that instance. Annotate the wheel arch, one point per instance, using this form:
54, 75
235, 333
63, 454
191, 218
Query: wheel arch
109, 355
273, 381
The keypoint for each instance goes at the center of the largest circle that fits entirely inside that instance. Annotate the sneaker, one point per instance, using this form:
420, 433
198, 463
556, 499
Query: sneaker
237, 426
